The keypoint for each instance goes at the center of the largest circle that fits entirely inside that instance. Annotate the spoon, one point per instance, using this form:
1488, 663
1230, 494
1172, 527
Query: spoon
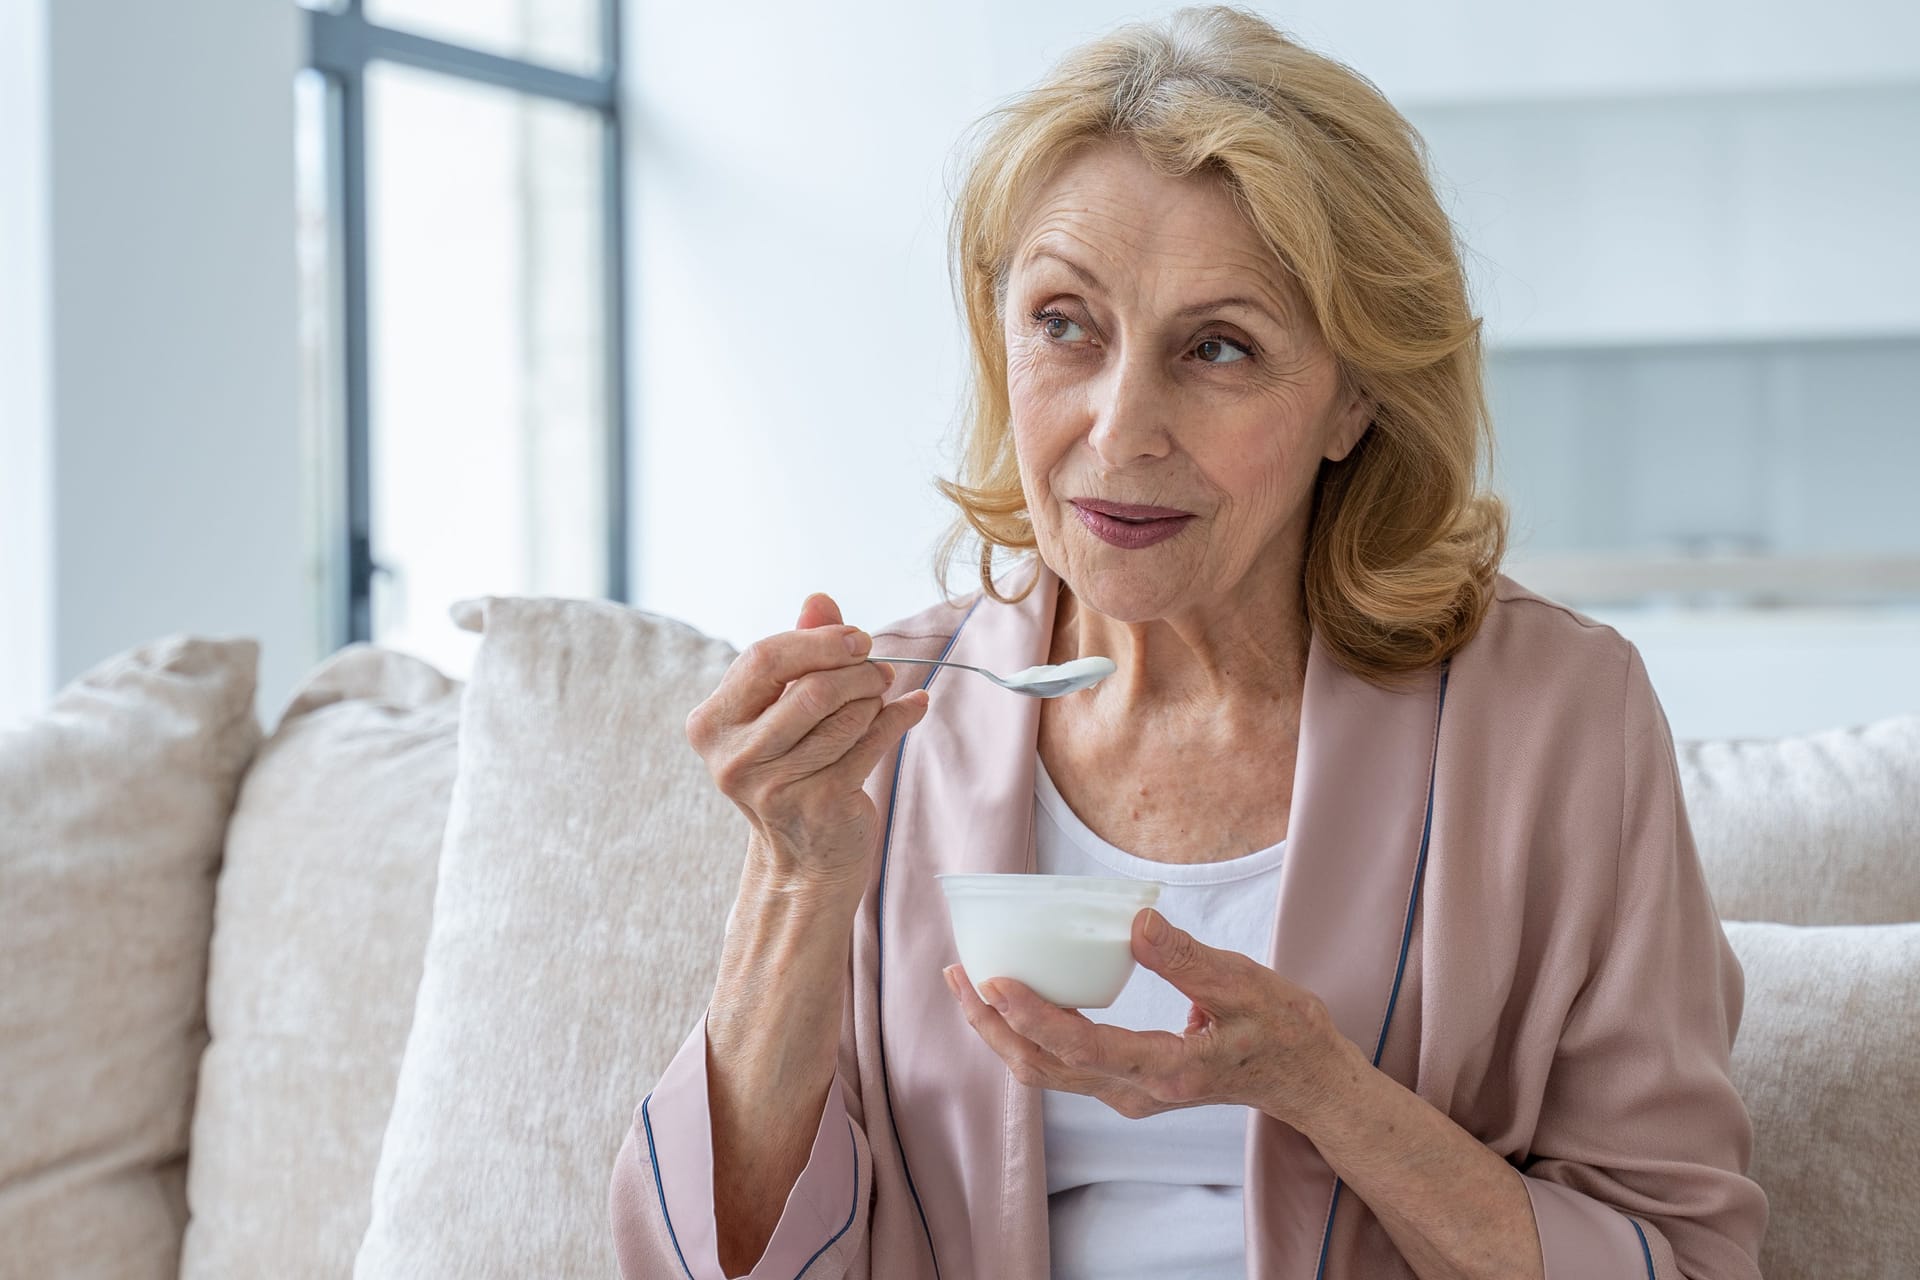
1035, 682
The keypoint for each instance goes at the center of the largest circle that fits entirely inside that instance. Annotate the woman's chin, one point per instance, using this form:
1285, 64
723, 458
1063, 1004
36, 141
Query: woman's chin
1126, 593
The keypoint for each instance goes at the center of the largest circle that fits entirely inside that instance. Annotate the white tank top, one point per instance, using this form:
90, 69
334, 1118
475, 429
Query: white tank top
1162, 1196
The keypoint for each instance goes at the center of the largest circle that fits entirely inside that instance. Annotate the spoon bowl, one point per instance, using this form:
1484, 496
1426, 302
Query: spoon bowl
1034, 682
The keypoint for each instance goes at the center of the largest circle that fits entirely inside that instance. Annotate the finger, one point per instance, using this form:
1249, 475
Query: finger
766, 667
1218, 980
845, 698
818, 610
1042, 1069
829, 740
895, 718
1031, 1065
1080, 1043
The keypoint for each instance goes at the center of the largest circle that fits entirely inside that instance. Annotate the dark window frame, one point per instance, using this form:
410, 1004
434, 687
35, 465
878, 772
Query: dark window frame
341, 45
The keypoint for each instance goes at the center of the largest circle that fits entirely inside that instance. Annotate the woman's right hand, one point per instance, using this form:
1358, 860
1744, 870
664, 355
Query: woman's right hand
790, 736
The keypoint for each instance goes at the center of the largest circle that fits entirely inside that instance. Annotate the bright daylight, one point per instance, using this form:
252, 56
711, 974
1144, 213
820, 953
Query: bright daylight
964, 641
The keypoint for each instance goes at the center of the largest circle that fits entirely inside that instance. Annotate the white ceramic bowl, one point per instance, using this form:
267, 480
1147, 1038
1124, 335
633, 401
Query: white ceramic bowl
1066, 937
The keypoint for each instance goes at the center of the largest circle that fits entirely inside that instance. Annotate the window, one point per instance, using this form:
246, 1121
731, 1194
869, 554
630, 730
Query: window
460, 251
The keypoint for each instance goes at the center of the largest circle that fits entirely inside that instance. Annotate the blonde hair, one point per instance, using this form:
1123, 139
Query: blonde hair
1404, 543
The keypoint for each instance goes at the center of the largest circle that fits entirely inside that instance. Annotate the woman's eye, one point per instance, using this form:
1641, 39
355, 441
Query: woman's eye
1220, 351
1059, 328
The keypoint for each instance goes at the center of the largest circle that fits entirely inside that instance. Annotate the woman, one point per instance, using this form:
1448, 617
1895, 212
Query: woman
1456, 1001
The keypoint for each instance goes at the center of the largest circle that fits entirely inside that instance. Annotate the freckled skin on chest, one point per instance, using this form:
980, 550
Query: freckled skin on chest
1200, 794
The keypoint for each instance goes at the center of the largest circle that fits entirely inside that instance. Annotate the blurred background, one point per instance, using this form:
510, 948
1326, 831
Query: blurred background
316, 319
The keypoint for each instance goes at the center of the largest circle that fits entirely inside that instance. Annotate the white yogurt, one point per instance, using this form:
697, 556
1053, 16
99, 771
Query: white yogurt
1086, 669
1067, 937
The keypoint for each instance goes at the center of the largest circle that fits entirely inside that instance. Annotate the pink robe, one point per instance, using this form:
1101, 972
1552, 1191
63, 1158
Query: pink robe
1489, 880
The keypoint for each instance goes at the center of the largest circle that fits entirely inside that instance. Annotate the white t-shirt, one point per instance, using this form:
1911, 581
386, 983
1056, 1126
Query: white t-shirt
1156, 1197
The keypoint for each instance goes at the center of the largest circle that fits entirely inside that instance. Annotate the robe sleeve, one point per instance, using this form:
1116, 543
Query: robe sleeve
662, 1198
1638, 1164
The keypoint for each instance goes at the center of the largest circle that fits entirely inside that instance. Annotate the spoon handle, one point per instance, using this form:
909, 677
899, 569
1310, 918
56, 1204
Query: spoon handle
924, 662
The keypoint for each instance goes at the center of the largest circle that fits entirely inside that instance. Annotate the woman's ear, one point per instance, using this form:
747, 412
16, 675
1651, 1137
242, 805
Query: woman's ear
1355, 418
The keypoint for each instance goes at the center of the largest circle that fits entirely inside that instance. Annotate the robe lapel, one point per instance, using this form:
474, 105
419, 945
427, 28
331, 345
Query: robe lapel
1354, 840
971, 1138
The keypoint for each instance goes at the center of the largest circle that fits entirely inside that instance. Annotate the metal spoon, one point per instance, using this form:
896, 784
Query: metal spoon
1035, 682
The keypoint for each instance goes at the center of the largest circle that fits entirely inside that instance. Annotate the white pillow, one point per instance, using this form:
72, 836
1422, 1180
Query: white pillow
112, 809
320, 927
1828, 1060
1820, 829
584, 883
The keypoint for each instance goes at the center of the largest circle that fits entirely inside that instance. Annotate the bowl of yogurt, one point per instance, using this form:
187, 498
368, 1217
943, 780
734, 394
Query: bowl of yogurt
1068, 938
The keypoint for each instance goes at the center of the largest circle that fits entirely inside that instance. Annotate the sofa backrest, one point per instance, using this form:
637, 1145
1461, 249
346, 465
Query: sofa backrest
582, 894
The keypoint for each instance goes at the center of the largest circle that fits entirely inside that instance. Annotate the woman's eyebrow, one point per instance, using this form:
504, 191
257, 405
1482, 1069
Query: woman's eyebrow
1247, 302
1042, 251
1241, 301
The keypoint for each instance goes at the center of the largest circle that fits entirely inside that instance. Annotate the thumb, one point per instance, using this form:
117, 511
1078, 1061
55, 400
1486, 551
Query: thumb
1190, 965
819, 610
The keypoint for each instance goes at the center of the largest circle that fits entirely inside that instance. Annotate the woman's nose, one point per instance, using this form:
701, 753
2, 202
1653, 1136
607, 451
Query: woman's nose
1131, 414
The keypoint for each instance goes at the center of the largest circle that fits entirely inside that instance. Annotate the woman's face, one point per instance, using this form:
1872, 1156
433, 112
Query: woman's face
1158, 357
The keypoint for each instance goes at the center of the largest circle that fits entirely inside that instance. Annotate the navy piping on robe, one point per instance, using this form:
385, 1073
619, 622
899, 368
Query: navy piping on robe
1644, 1251
853, 1208
653, 1156
1406, 939
880, 939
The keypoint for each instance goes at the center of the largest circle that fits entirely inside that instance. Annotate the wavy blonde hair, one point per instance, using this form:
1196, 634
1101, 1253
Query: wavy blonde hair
1404, 542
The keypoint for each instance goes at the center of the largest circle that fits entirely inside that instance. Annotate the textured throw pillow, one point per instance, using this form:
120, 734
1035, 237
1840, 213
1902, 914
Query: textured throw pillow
320, 925
112, 809
584, 883
1820, 829
1828, 1060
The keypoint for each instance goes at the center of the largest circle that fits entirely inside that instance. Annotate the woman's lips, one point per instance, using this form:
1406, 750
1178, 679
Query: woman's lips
1126, 534
1129, 510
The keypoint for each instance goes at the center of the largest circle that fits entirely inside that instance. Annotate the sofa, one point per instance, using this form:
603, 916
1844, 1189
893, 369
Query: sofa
375, 991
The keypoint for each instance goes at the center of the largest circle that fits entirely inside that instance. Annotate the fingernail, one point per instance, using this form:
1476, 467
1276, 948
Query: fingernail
1154, 927
953, 983
858, 643
995, 997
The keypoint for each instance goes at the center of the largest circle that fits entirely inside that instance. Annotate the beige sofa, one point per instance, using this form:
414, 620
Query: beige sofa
375, 994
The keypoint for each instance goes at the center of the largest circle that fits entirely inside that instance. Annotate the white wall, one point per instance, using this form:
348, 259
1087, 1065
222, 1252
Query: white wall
26, 528
171, 475
1759, 674
795, 353
794, 350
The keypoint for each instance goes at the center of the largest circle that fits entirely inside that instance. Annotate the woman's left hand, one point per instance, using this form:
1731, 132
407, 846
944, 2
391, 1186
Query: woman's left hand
1252, 1037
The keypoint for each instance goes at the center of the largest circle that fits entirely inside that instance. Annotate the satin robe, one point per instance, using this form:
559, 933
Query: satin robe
1490, 881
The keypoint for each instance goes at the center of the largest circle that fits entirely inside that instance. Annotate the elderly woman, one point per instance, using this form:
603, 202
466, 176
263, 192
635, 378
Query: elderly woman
1435, 987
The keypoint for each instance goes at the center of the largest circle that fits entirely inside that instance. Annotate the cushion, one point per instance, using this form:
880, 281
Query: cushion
112, 809
588, 867
320, 926
1819, 829
1828, 1060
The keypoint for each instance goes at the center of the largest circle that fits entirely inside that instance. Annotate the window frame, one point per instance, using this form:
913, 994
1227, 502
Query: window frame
341, 44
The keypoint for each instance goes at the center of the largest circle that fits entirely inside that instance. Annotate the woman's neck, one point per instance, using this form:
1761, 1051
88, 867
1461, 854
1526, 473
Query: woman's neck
1239, 658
